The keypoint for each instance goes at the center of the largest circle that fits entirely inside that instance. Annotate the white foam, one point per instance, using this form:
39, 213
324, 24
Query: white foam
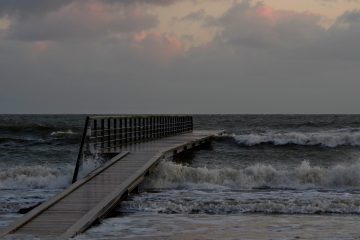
225, 202
67, 132
332, 138
89, 165
172, 175
35, 177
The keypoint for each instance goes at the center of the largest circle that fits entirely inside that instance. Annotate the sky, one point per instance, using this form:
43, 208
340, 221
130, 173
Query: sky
180, 56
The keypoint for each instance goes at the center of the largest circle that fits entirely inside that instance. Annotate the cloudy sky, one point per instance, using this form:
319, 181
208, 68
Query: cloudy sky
179, 56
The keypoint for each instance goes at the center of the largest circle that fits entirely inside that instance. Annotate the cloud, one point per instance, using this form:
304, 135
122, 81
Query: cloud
28, 8
24, 8
82, 20
256, 25
162, 47
195, 16
348, 19
261, 60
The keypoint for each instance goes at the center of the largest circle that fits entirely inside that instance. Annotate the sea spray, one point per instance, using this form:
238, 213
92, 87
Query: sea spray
90, 164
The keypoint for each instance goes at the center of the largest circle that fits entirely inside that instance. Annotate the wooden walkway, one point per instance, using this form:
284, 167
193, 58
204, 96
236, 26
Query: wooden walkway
90, 199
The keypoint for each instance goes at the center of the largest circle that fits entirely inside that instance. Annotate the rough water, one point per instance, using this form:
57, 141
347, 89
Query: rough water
272, 177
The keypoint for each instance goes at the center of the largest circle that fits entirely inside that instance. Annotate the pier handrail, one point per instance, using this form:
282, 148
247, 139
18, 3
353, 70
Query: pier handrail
103, 133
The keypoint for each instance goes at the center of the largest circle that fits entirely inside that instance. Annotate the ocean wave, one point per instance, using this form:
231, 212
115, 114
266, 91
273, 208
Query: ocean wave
281, 202
16, 140
67, 132
35, 177
332, 138
37, 129
172, 175
27, 127
13, 141
44, 176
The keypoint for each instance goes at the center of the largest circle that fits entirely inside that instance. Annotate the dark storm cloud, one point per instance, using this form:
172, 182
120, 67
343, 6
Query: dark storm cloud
28, 8
78, 21
259, 26
350, 17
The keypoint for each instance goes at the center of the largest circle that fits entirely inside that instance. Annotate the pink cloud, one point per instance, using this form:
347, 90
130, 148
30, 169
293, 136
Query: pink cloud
258, 25
162, 46
267, 13
41, 46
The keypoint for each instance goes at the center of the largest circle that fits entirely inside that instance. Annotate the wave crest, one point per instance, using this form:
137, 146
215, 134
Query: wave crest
334, 138
171, 175
281, 202
67, 132
35, 177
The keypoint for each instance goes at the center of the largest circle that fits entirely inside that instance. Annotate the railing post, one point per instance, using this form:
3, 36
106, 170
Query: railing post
157, 127
181, 123
135, 129
173, 125
102, 133
120, 132
143, 129
139, 129
167, 125
191, 124
177, 124
130, 129
80, 154
146, 128
184, 124
115, 132
95, 133
162, 126
126, 130
109, 133
152, 127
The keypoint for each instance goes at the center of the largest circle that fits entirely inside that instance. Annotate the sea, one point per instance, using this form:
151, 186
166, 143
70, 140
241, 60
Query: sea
269, 177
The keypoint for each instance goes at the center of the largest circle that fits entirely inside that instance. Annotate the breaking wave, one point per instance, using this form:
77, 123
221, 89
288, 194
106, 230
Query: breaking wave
280, 202
172, 175
67, 132
44, 176
258, 188
333, 138
35, 177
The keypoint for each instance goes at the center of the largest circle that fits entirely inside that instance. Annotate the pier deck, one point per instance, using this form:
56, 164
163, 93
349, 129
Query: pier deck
91, 198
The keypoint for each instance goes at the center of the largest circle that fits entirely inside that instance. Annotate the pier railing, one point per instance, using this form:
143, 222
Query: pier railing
103, 133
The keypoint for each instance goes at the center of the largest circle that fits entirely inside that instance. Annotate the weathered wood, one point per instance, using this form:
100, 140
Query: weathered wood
89, 199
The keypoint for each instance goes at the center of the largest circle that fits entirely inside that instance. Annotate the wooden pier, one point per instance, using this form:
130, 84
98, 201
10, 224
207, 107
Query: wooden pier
136, 144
